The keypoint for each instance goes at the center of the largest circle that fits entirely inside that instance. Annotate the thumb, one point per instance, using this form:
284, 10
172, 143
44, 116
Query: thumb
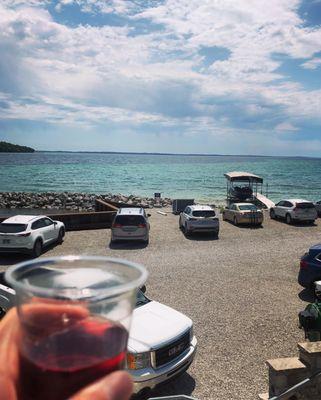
116, 386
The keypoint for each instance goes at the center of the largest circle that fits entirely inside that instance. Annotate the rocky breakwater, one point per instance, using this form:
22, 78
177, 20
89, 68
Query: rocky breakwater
72, 201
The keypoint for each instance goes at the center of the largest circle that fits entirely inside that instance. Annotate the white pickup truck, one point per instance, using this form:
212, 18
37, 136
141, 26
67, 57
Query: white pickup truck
161, 342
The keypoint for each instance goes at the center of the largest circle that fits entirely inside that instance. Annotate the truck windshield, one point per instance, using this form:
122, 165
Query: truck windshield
12, 228
204, 213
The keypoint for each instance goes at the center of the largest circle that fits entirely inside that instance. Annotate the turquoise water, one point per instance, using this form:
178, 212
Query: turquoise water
176, 176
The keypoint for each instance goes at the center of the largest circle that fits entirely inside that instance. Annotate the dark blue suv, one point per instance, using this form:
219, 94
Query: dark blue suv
310, 267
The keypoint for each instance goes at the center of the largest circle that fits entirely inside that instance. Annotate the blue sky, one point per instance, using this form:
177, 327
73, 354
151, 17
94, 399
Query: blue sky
190, 76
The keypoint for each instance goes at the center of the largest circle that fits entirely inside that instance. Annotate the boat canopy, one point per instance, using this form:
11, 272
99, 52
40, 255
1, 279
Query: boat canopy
240, 176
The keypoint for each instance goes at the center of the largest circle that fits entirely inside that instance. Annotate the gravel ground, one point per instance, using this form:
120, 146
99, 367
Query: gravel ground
240, 291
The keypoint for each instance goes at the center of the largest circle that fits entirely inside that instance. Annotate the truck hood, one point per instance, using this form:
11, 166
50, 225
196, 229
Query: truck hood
154, 324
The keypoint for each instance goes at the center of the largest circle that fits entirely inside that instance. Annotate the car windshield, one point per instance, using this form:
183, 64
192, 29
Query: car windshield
12, 228
304, 205
141, 299
204, 213
129, 220
247, 207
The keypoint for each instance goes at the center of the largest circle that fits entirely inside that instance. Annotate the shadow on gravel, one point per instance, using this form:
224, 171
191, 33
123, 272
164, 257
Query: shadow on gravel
245, 226
15, 258
127, 245
201, 236
183, 385
307, 295
302, 224
11, 259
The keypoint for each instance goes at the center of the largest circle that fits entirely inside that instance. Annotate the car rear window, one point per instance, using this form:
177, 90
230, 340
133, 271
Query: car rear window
129, 220
204, 213
12, 228
248, 207
304, 205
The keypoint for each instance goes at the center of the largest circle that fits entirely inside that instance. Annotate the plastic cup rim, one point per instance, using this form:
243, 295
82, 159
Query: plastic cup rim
54, 293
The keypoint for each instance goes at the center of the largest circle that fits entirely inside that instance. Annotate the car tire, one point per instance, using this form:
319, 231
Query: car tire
37, 248
288, 219
235, 221
272, 214
61, 235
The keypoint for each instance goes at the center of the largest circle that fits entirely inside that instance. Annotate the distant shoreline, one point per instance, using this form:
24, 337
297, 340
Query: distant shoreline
173, 154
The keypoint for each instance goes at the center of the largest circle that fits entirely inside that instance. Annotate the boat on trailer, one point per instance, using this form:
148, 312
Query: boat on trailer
245, 187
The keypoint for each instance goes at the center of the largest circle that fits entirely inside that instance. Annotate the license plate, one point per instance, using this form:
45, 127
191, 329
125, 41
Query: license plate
6, 241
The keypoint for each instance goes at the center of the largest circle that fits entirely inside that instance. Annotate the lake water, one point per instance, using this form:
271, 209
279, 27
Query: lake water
175, 176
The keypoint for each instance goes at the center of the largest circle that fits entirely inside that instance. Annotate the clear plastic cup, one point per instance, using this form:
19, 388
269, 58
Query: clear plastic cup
75, 315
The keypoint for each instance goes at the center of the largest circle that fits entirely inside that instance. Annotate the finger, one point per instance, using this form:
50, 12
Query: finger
44, 318
7, 391
9, 333
116, 386
44, 311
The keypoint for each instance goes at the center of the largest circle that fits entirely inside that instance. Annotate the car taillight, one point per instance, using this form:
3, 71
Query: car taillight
304, 264
24, 234
141, 225
117, 226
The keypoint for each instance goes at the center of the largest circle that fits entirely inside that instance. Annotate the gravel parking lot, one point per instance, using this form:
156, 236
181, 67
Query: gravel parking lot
240, 291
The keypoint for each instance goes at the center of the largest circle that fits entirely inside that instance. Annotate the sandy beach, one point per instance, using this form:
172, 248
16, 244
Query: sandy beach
240, 291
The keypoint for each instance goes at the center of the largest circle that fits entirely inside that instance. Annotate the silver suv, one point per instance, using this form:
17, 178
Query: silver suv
199, 218
294, 210
130, 224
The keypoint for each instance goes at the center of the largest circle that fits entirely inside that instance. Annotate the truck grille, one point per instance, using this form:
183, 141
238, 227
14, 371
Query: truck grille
172, 350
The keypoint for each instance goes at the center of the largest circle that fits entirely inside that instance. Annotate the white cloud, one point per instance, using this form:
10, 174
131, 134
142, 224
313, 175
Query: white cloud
286, 127
119, 74
314, 63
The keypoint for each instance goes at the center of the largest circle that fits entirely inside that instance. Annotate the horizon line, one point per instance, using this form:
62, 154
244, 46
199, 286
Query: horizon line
172, 154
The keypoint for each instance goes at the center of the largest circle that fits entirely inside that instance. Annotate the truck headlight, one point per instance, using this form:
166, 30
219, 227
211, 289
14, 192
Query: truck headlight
138, 360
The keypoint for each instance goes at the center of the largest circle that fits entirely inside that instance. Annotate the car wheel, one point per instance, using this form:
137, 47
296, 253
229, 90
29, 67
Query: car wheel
272, 214
37, 248
235, 221
288, 219
61, 235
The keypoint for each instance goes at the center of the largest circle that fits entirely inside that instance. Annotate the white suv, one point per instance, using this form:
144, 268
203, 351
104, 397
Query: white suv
294, 210
199, 218
29, 234
130, 224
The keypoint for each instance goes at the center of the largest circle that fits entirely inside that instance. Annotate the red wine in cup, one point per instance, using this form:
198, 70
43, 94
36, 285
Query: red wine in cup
61, 364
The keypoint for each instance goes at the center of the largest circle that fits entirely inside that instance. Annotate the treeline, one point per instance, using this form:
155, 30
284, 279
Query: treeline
6, 147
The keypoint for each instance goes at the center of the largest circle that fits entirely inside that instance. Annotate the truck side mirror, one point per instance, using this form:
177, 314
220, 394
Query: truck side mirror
143, 288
